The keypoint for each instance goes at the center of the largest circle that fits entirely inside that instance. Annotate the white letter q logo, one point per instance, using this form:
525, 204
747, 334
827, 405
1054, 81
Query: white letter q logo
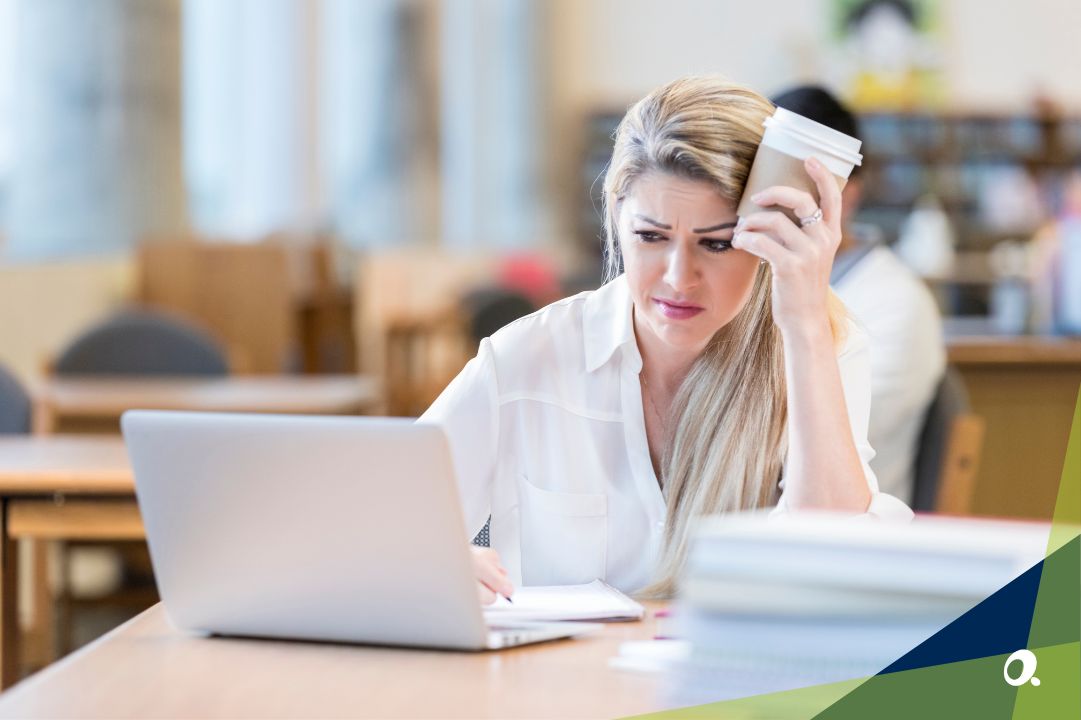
1028, 667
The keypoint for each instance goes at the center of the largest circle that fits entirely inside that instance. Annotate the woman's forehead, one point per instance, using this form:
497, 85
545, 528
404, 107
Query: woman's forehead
678, 201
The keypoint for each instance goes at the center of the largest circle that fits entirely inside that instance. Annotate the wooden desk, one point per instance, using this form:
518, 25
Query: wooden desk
1026, 389
105, 399
145, 668
57, 487
1021, 350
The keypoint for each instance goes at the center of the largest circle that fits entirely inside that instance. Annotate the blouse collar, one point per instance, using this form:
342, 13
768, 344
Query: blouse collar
607, 322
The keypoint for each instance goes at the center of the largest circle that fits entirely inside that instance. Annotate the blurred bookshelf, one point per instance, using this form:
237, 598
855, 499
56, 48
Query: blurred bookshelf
956, 158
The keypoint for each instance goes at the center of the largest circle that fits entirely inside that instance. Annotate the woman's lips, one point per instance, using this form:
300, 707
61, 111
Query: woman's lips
676, 311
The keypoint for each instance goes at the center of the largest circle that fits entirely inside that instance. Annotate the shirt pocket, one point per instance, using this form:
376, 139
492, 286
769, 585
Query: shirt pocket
564, 535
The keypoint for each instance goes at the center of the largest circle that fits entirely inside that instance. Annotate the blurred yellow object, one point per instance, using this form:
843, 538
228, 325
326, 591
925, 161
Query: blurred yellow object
879, 91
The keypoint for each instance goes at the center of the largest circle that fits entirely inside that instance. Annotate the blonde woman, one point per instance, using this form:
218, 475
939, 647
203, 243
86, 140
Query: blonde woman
713, 372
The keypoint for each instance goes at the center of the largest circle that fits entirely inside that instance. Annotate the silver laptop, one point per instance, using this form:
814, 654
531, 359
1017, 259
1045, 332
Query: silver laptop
317, 528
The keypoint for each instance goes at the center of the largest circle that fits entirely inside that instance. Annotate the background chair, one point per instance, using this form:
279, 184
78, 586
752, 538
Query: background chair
134, 343
949, 451
488, 309
15, 405
243, 293
143, 342
409, 326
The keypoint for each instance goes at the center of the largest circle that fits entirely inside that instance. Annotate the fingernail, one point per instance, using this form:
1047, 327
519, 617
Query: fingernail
757, 197
742, 222
813, 162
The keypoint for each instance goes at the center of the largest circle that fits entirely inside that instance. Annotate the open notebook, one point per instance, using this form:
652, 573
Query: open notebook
593, 601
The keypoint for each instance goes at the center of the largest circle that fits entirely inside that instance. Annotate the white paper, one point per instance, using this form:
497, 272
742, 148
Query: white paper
593, 601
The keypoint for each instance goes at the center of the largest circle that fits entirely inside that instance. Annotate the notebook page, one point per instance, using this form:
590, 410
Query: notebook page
593, 601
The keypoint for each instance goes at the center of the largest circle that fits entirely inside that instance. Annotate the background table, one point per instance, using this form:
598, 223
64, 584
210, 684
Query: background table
57, 488
146, 668
88, 400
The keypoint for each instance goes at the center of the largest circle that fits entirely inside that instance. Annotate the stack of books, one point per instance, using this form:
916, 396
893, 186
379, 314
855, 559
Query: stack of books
812, 598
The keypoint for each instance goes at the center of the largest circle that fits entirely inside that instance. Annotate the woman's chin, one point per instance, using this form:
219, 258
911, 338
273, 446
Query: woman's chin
682, 335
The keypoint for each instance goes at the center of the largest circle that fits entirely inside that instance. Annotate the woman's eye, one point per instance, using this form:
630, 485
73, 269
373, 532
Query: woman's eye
648, 235
717, 245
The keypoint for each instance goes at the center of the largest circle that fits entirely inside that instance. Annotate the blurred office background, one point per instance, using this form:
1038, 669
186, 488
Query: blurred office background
469, 127
365, 187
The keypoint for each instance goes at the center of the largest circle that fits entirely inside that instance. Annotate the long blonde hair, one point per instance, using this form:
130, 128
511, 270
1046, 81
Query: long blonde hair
728, 437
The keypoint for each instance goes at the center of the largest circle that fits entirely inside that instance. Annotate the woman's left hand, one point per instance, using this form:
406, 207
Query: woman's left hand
800, 257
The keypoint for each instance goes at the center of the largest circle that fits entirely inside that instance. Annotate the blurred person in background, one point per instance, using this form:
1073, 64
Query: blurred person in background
893, 306
1055, 266
714, 372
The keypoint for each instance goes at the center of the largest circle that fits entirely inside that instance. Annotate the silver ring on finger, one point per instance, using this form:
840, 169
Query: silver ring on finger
811, 219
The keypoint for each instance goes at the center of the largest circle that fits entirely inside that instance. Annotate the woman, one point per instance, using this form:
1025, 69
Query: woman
711, 372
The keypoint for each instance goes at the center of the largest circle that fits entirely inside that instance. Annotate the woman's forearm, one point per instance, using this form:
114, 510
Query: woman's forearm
824, 469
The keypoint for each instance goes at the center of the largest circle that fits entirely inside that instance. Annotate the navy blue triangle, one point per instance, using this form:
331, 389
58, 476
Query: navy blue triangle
998, 625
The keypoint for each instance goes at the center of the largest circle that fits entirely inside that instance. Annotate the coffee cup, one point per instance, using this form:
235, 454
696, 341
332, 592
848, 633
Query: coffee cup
788, 141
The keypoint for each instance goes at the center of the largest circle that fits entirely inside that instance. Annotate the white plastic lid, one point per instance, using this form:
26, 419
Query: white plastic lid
816, 134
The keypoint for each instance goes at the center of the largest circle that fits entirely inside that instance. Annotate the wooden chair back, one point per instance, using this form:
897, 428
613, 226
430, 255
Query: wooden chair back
960, 465
242, 293
408, 324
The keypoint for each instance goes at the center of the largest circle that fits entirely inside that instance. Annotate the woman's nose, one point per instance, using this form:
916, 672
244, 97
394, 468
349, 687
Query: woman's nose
680, 273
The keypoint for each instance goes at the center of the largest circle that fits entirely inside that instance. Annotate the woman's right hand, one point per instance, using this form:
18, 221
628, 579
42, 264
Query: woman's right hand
491, 575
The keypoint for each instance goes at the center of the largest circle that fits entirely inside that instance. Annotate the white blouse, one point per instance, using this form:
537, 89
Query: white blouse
547, 435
